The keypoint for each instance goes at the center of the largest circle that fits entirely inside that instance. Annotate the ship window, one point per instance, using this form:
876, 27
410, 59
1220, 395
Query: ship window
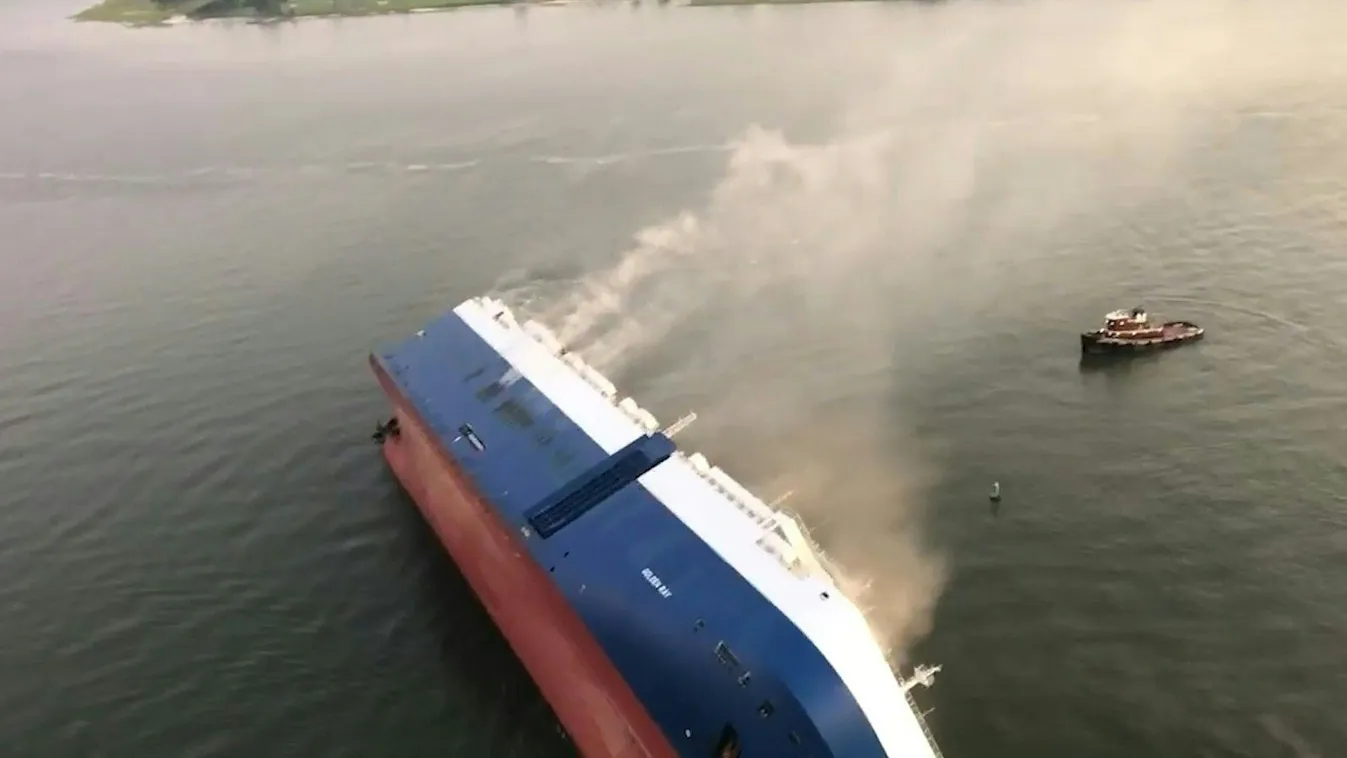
697, 627
745, 678
514, 413
726, 657
489, 391
728, 745
766, 709
794, 738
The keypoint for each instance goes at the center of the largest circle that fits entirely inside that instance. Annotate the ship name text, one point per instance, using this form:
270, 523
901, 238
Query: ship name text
657, 583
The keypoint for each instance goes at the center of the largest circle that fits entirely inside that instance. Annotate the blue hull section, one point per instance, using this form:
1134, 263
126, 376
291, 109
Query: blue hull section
698, 644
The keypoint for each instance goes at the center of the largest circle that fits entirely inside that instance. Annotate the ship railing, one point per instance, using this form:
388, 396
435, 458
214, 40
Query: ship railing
791, 528
545, 338
921, 721
921, 675
783, 534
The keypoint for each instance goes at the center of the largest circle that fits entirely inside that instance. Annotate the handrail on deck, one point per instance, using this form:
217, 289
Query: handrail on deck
921, 721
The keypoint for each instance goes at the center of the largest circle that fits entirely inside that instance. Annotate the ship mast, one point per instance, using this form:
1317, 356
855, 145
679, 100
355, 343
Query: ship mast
679, 425
923, 675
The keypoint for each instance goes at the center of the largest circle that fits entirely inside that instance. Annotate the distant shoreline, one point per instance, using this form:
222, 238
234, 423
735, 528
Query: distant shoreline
709, 3
169, 12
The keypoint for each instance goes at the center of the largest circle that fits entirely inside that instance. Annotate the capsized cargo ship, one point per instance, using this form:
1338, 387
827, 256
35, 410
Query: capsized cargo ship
661, 608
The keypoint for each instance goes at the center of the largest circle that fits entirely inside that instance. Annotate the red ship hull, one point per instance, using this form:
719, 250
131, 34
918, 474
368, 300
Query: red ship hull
601, 714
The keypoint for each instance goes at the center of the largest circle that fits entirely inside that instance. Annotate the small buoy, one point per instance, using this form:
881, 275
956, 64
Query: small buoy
996, 491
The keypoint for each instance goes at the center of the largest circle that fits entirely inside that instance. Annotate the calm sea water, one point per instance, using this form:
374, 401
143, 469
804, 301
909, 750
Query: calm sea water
858, 240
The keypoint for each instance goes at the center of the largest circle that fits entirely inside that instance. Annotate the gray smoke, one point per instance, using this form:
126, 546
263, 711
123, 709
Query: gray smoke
781, 298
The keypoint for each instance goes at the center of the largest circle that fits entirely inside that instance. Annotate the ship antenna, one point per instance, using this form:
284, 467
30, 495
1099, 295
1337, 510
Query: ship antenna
783, 498
679, 425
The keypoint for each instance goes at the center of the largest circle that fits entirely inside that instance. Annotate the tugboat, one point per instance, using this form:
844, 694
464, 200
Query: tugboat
1130, 331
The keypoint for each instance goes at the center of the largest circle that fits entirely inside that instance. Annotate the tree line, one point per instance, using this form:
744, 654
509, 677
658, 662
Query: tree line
200, 8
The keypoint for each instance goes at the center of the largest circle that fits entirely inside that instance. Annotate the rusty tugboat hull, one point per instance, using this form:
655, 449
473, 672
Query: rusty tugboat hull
1129, 332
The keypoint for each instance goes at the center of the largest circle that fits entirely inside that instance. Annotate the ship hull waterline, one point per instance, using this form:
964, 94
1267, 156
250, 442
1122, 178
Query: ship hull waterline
600, 713
1177, 333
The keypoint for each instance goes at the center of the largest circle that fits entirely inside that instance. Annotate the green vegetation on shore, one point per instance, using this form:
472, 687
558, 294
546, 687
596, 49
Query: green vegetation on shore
770, 2
160, 11
152, 12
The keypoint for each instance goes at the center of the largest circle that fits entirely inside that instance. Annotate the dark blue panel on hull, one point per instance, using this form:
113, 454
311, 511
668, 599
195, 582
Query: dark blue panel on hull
699, 645
596, 485
456, 380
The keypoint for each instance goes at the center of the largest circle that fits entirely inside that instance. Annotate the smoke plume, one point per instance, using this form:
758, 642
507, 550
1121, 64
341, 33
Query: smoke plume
778, 304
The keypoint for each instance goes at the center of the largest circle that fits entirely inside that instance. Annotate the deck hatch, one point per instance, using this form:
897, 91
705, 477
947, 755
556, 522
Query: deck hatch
578, 496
